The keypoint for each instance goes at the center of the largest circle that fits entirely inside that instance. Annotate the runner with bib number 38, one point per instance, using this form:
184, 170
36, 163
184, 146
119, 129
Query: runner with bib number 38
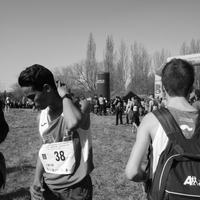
65, 158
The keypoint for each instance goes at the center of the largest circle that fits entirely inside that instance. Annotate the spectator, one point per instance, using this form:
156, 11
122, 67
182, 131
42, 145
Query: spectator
128, 108
135, 120
7, 104
23, 102
105, 105
101, 105
96, 105
118, 110
153, 103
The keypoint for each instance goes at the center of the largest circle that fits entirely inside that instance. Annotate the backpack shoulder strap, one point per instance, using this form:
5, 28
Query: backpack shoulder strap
168, 123
197, 129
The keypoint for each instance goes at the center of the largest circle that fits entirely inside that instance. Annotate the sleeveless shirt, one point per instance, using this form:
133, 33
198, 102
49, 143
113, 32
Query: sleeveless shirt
54, 131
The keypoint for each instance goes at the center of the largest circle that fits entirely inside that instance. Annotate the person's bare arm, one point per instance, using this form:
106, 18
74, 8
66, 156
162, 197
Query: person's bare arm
72, 115
36, 188
75, 113
133, 169
85, 107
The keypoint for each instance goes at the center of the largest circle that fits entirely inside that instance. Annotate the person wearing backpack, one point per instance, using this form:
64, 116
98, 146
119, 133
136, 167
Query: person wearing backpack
173, 135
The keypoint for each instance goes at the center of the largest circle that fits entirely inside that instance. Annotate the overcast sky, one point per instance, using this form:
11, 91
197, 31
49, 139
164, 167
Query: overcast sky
55, 33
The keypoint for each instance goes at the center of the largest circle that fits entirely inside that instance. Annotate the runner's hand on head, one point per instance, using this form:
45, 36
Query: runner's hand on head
62, 89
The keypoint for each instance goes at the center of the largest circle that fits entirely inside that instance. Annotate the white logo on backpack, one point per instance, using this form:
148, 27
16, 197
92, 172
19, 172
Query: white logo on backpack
192, 180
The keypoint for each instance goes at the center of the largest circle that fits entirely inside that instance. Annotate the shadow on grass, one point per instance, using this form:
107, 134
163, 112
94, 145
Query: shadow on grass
19, 168
21, 193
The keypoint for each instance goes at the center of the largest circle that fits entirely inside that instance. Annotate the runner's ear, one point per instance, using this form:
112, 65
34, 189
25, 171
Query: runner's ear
46, 87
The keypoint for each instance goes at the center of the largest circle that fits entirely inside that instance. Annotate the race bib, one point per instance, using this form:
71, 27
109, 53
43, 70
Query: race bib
58, 158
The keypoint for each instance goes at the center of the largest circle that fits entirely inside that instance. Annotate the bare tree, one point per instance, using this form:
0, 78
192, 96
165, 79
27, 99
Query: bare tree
108, 59
198, 46
140, 69
91, 64
16, 92
78, 73
82, 75
123, 66
2, 88
193, 48
159, 57
63, 74
184, 50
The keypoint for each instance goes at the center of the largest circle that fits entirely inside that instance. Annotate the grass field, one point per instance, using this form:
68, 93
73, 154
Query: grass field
111, 146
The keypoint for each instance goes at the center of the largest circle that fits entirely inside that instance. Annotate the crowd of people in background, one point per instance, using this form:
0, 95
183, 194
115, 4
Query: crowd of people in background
9, 103
118, 106
134, 108
100, 105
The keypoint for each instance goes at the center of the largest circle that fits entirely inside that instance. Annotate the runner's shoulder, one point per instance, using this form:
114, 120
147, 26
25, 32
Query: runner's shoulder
150, 121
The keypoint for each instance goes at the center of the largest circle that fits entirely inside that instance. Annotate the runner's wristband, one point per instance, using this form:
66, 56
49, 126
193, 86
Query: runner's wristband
68, 96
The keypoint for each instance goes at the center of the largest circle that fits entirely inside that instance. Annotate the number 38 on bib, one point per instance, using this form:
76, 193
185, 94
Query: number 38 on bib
58, 158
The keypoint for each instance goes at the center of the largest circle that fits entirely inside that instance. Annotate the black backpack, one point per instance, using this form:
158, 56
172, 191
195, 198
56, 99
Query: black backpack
177, 174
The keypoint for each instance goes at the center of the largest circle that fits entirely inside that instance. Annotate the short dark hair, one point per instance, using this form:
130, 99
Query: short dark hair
36, 76
178, 77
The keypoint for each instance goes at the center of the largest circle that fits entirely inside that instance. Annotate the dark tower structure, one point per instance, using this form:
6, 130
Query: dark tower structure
103, 85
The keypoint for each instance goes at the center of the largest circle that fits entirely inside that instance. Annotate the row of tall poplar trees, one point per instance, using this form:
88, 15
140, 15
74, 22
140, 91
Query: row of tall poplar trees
131, 68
